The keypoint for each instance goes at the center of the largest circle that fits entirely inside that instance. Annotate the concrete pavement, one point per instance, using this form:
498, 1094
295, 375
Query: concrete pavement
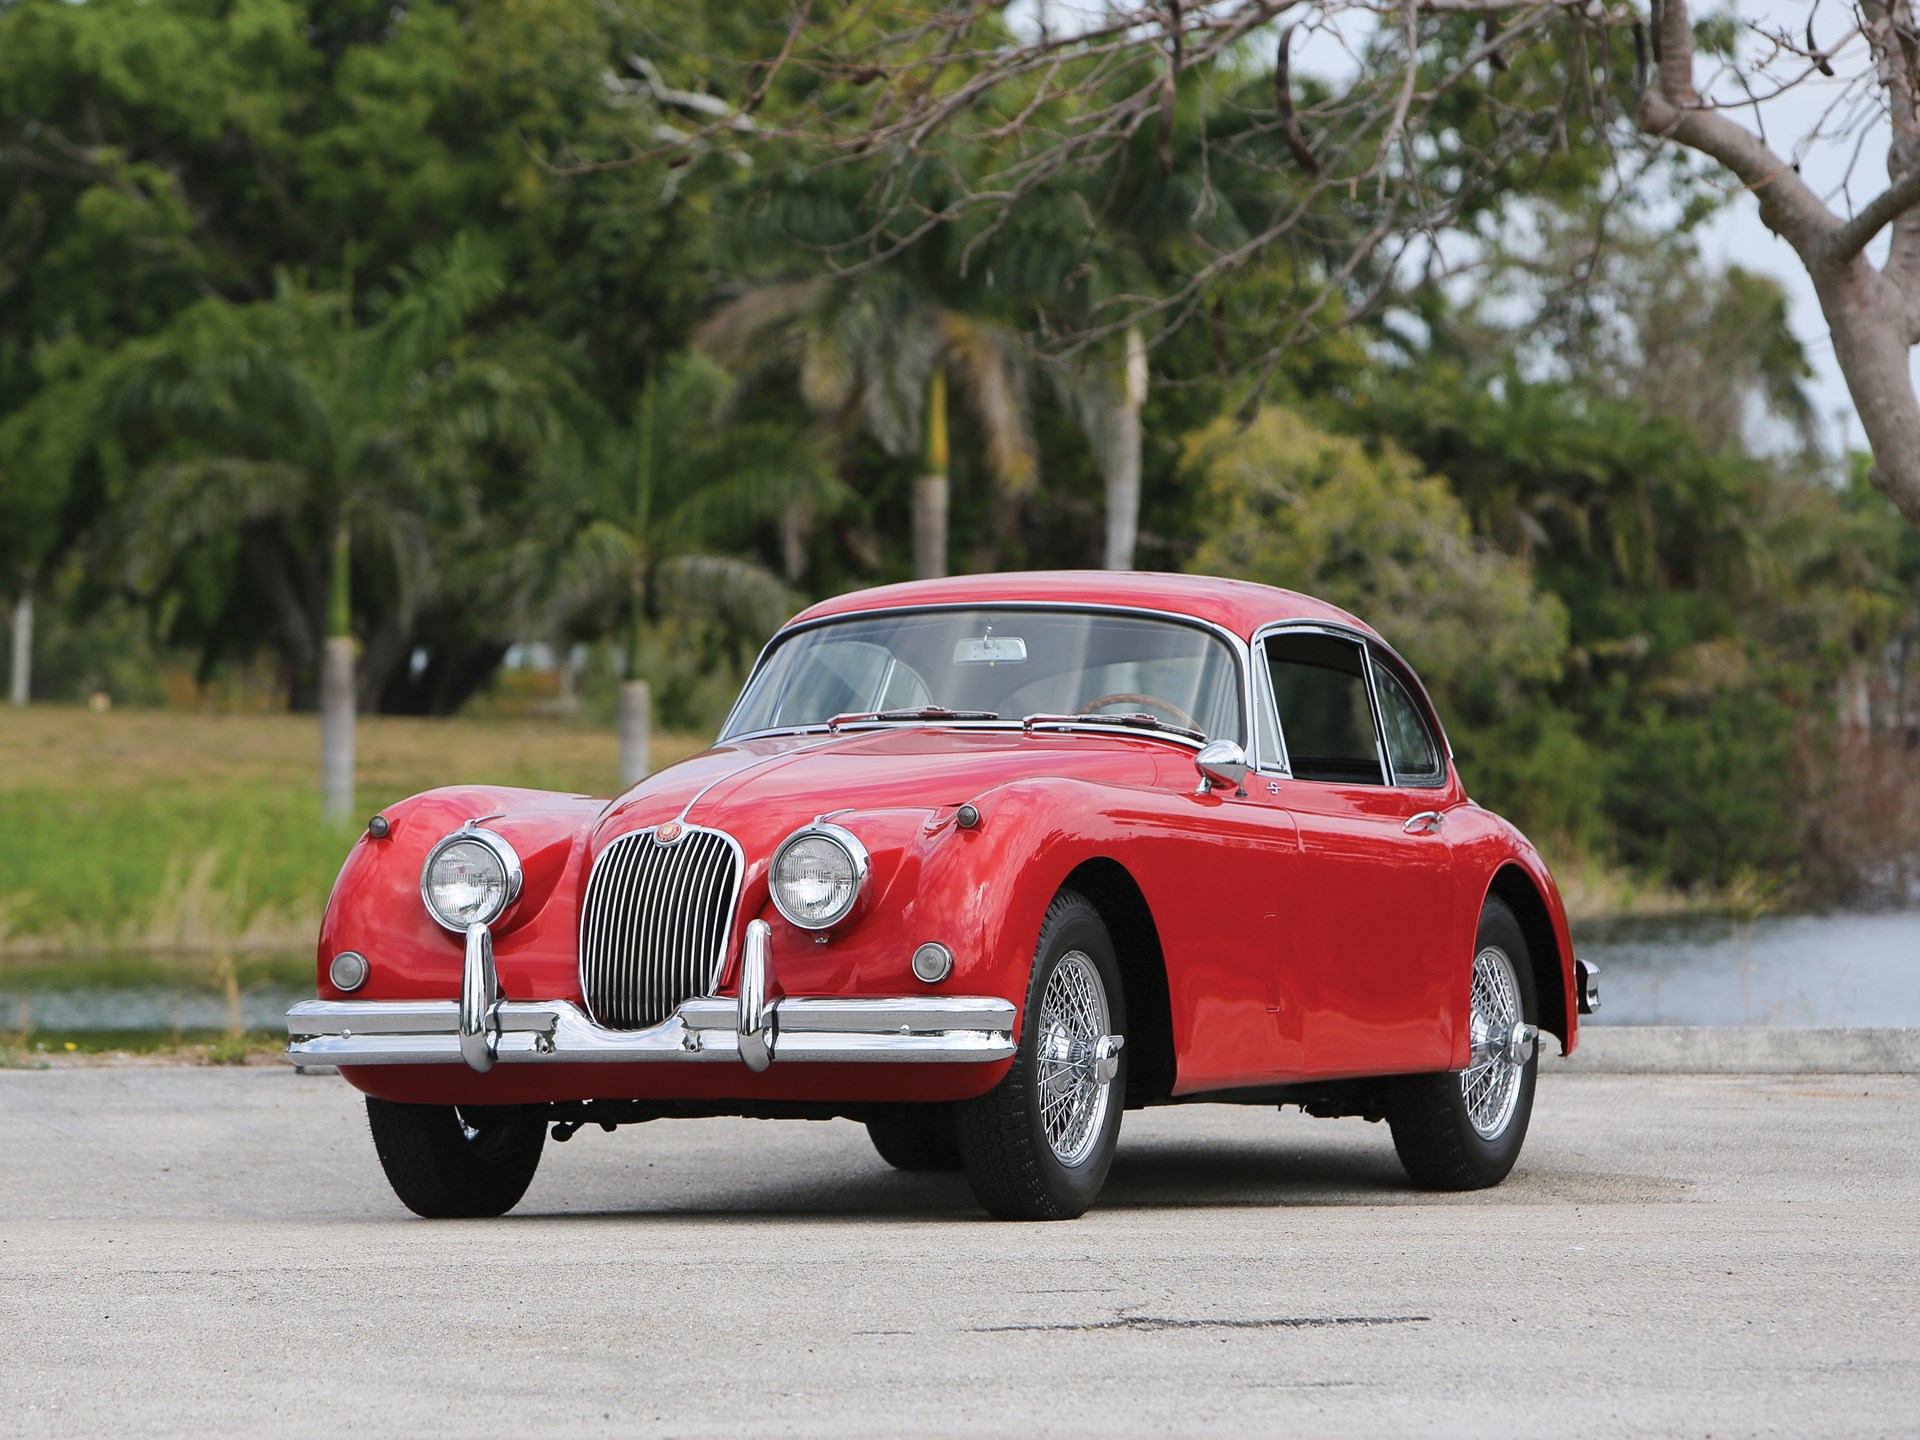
215, 1252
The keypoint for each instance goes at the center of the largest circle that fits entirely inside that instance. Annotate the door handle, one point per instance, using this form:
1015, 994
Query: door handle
1427, 822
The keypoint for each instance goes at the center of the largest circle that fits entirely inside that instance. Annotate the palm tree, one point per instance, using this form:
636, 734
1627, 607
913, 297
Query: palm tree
305, 439
878, 354
653, 508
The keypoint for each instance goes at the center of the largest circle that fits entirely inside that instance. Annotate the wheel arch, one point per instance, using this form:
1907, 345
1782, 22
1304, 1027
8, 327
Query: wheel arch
1112, 890
1516, 888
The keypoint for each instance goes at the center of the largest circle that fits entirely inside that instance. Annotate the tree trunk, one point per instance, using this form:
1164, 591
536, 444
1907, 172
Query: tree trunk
1123, 458
930, 490
1874, 313
23, 647
796, 525
1867, 313
636, 732
336, 729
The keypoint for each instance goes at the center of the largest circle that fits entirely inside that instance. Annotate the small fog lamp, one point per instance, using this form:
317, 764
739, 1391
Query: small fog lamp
348, 970
933, 962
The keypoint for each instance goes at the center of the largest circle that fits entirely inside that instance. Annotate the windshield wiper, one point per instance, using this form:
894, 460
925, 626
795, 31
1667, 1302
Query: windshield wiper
1138, 720
924, 712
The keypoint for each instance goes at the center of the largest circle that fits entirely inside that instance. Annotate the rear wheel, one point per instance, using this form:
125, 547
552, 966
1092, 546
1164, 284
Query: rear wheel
1038, 1145
457, 1162
1462, 1129
916, 1140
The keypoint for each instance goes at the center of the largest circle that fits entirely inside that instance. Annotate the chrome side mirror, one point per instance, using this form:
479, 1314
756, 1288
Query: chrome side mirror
1221, 763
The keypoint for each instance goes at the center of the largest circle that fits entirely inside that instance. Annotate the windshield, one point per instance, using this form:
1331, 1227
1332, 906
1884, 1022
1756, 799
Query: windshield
1008, 663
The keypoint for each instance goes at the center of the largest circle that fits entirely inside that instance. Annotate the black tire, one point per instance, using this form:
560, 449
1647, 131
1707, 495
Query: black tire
1013, 1168
919, 1139
457, 1162
1433, 1130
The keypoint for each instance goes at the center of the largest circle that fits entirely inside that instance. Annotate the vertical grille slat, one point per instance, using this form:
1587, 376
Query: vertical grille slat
656, 923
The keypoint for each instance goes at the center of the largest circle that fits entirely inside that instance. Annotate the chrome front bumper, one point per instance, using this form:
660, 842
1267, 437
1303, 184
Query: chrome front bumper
480, 1029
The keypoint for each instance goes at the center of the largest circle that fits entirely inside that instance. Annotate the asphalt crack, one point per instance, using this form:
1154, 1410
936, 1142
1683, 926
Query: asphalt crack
1168, 1322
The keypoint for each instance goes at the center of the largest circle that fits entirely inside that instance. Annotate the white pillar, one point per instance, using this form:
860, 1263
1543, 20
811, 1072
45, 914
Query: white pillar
22, 647
336, 729
636, 732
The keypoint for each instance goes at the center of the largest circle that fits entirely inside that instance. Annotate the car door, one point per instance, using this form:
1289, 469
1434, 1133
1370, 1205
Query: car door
1370, 911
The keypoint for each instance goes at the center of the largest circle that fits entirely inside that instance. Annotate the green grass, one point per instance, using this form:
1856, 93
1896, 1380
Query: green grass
168, 832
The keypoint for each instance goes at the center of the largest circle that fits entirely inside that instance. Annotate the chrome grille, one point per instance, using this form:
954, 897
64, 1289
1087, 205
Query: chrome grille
656, 923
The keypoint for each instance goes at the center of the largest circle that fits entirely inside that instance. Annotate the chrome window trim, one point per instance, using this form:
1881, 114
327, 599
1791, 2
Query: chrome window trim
1439, 782
1236, 644
1381, 756
1371, 645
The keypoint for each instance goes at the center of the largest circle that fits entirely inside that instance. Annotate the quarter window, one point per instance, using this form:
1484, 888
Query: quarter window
1320, 690
1416, 759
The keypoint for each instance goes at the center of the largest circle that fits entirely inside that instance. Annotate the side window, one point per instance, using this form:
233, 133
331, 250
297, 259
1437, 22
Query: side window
1320, 689
1416, 759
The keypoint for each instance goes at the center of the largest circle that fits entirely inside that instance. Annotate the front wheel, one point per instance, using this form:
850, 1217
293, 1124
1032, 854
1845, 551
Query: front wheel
1462, 1130
1038, 1145
457, 1162
918, 1139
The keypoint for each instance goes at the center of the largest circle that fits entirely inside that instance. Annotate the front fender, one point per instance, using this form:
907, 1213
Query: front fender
375, 906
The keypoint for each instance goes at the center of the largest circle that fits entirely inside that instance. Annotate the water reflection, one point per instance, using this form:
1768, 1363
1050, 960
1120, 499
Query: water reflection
150, 995
1842, 968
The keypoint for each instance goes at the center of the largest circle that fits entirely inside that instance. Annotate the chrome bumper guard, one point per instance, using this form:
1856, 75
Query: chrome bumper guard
1586, 983
481, 1029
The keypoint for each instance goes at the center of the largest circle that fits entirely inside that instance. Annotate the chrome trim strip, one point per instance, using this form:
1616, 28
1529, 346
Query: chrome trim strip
955, 1029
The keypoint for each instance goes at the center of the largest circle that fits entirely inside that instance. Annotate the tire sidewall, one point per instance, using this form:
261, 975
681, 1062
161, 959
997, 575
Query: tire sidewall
1075, 926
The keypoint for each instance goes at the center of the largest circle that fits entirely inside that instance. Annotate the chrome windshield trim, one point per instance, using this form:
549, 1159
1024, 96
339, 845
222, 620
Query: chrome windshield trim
1236, 644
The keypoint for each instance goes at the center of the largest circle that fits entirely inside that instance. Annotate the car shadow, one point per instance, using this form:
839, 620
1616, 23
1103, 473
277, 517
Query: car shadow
1155, 1174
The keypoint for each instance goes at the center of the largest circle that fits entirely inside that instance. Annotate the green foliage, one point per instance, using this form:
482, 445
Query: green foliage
1292, 505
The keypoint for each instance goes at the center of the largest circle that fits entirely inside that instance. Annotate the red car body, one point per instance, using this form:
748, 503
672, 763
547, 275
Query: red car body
1274, 937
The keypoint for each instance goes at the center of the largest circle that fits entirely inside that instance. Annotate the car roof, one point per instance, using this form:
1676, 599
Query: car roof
1238, 605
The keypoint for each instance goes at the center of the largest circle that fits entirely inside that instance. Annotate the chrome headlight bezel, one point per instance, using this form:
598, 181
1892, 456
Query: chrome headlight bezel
857, 856
501, 851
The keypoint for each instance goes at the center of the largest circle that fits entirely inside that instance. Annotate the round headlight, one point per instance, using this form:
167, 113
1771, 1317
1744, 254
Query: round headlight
469, 877
817, 876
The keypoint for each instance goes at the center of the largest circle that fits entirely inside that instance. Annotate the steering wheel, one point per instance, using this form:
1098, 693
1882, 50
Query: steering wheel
1127, 697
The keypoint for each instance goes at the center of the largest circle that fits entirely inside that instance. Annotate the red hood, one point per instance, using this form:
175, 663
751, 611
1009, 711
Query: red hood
760, 790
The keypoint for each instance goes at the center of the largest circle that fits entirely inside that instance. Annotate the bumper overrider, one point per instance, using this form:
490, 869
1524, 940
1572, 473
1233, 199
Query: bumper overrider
482, 1029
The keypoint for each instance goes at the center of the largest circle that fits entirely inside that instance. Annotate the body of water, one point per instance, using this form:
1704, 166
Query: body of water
1841, 968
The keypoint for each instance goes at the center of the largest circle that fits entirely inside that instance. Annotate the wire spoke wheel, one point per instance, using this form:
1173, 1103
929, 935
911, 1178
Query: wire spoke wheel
1073, 1020
1039, 1144
1463, 1129
1491, 1086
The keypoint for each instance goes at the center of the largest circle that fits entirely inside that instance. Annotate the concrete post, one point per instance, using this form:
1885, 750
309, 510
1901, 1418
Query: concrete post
336, 729
22, 647
636, 732
1123, 461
